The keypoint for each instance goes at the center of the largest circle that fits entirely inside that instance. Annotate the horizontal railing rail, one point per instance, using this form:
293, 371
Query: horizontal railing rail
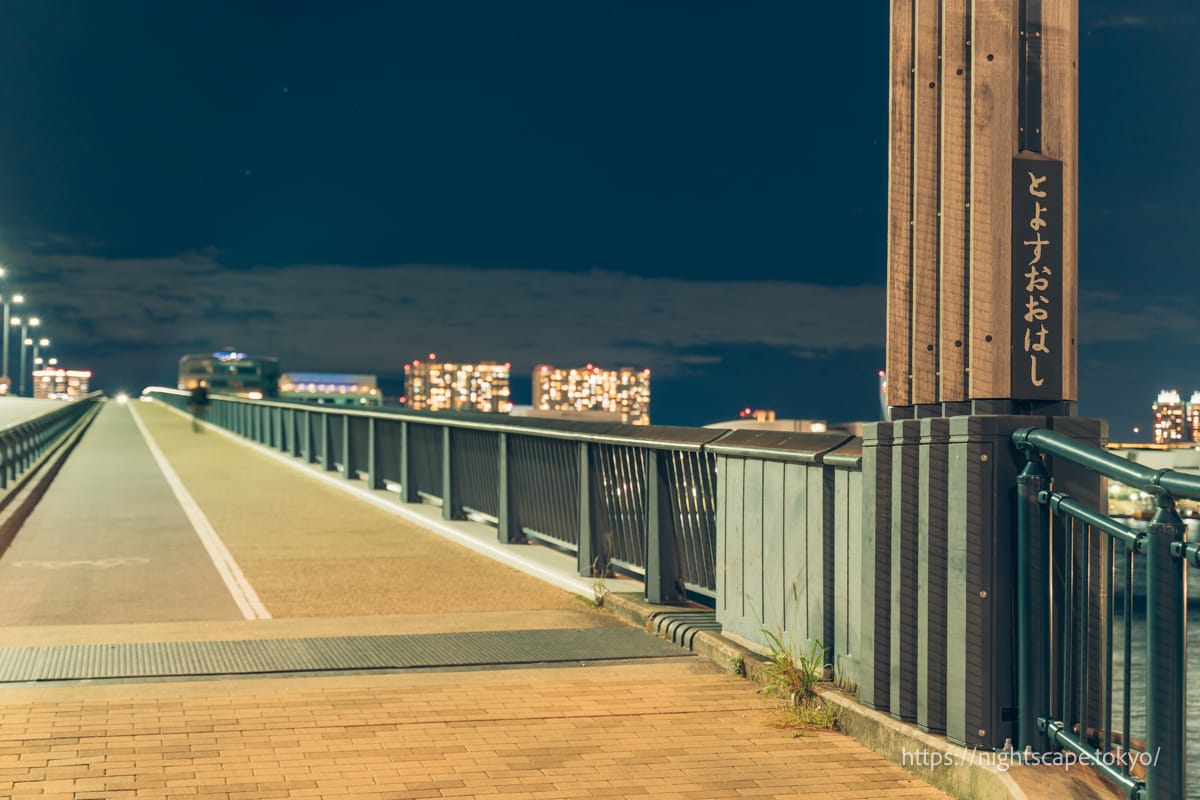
1068, 559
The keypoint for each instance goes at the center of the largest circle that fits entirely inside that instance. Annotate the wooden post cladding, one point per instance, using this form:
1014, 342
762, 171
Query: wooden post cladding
955, 70
1060, 140
900, 222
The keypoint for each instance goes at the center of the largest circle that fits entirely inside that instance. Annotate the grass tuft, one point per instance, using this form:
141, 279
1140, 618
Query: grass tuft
792, 676
599, 587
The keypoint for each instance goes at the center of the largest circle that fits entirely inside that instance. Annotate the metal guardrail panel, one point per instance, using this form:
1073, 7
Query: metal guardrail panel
475, 459
618, 475
1069, 560
545, 487
425, 459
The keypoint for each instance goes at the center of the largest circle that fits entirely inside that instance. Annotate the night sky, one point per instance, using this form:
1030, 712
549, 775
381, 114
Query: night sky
698, 188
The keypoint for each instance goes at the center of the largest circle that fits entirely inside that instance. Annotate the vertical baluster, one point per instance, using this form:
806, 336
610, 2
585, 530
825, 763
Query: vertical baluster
1068, 626
1085, 621
1109, 567
1128, 621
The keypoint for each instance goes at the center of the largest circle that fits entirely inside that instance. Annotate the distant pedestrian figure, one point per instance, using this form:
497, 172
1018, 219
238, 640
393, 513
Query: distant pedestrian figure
198, 405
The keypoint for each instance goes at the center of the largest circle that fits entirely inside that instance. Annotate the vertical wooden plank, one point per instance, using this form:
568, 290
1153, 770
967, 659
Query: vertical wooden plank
735, 533
1060, 140
955, 230
774, 578
722, 515
795, 554
993, 145
932, 521
841, 570
900, 222
904, 620
959, 516
926, 173
876, 619
857, 583
817, 552
752, 541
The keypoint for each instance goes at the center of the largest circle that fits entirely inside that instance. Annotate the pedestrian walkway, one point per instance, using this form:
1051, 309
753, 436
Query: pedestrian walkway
612, 723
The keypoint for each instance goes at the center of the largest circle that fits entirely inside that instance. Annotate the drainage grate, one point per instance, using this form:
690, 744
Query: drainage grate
681, 626
177, 659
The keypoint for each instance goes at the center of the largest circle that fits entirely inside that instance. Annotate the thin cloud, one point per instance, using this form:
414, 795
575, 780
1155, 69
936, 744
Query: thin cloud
374, 319
1119, 21
1106, 317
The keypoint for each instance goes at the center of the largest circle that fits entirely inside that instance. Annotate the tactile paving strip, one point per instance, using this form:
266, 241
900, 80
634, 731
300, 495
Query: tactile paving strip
176, 659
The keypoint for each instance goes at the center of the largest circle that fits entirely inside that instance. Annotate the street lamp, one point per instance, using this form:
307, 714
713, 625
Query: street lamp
36, 362
25, 323
8, 299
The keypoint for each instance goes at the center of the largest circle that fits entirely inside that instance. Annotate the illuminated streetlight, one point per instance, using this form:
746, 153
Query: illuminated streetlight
5, 381
26, 323
36, 361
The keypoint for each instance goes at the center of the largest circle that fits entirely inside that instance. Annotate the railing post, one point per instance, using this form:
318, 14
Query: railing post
590, 562
326, 441
1033, 604
407, 493
373, 480
348, 471
1166, 654
508, 529
448, 509
663, 581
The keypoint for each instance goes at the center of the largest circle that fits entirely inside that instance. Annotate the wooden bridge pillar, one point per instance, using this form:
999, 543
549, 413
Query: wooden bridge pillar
981, 329
982, 202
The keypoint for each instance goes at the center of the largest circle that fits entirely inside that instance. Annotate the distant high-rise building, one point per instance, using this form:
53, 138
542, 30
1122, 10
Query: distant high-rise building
1193, 414
435, 386
60, 384
625, 391
1170, 421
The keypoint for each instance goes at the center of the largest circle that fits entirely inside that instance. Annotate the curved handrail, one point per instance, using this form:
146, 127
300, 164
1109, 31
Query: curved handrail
1152, 481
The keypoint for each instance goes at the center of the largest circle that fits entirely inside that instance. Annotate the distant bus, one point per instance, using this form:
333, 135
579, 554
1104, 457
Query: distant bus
238, 374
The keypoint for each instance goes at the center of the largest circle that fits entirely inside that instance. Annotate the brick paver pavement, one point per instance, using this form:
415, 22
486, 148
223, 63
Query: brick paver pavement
328, 564
663, 730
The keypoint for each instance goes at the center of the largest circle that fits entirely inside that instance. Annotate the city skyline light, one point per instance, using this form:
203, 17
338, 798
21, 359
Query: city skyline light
692, 188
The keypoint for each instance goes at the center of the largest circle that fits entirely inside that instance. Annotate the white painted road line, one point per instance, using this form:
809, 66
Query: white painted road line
243, 593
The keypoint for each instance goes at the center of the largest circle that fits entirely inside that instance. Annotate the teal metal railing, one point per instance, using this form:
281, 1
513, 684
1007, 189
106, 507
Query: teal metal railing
1068, 560
637, 499
764, 526
23, 443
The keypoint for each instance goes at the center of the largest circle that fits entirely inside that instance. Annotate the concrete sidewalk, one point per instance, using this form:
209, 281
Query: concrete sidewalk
327, 563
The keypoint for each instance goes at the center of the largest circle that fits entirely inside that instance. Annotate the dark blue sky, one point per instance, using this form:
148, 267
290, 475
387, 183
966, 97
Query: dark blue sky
669, 185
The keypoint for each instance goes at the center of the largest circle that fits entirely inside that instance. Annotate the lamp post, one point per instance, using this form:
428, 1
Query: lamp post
36, 362
9, 299
25, 323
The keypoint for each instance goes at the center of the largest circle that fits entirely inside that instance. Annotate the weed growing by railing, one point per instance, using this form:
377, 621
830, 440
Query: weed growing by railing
599, 586
792, 675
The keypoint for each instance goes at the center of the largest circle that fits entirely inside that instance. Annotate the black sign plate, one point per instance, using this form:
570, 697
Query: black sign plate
1038, 349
